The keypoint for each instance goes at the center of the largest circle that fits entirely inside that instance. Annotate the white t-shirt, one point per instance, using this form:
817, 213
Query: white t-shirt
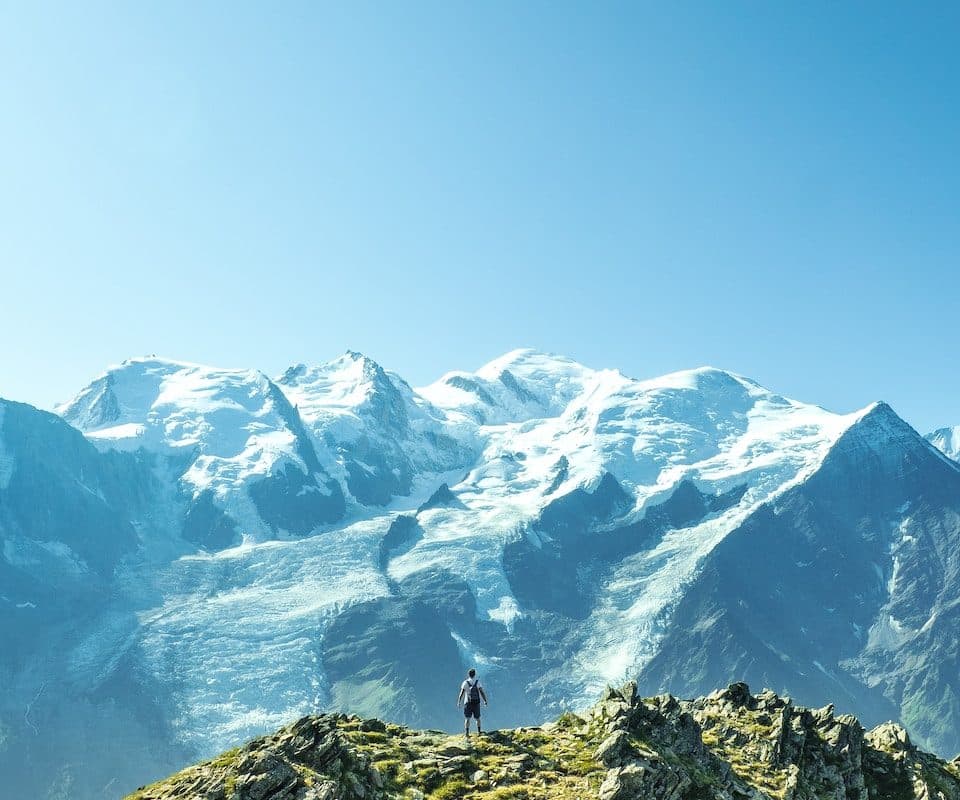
465, 687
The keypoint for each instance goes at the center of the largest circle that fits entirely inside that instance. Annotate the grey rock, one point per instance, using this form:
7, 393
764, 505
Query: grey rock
643, 779
615, 749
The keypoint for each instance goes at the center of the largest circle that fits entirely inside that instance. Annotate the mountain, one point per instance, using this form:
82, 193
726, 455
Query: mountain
947, 440
73, 523
729, 744
243, 456
260, 549
382, 434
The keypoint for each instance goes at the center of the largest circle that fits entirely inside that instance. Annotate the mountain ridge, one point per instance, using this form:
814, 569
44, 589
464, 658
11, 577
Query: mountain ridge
729, 744
337, 539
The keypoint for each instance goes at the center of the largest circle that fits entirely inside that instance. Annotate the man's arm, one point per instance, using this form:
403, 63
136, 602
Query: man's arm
483, 694
460, 698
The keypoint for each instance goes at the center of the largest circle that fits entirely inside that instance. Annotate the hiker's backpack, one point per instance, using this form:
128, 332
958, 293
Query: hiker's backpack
474, 690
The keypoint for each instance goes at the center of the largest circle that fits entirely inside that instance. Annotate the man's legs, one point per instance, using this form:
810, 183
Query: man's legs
471, 711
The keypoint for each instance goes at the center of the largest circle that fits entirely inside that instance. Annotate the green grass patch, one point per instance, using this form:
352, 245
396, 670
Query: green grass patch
452, 790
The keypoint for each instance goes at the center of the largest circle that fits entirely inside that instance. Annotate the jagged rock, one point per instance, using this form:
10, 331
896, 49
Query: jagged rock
890, 737
628, 692
267, 777
325, 791
616, 749
736, 695
643, 779
729, 745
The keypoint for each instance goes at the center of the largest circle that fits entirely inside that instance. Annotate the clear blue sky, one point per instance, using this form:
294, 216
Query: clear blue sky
767, 187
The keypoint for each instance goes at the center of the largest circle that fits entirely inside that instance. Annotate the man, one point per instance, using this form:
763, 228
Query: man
471, 692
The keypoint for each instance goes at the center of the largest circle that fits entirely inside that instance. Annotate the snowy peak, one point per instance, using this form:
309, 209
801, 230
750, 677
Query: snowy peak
518, 386
509, 424
526, 384
141, 393
383, 437
708, 380
947, 441
231, 434
880, 431
123, 393
351, 385
535, 368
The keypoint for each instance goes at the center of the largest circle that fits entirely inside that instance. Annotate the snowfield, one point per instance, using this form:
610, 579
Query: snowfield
236, 634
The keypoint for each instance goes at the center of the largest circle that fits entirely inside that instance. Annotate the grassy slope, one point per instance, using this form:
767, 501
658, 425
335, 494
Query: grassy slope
735, 749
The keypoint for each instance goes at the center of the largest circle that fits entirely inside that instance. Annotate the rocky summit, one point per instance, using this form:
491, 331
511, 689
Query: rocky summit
729, 745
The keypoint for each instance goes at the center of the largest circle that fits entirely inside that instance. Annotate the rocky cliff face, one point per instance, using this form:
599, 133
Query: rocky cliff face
729, 745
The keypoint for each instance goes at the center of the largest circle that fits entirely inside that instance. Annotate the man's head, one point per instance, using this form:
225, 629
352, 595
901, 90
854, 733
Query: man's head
472, 673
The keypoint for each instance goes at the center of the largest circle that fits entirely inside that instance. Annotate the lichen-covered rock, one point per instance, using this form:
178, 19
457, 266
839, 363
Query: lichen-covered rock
616, 749
643, 779
729, 745
890, 737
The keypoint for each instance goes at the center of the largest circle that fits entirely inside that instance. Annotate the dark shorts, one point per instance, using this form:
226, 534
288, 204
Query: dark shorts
471, 709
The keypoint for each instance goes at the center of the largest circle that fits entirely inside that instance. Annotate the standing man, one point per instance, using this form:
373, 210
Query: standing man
471, 692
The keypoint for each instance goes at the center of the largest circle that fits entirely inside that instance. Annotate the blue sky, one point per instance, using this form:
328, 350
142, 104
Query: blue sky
770, 189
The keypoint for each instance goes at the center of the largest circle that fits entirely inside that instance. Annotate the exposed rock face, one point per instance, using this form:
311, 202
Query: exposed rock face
730, 745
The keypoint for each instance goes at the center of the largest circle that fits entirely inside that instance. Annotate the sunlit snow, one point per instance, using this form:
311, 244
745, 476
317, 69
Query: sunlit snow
235, 634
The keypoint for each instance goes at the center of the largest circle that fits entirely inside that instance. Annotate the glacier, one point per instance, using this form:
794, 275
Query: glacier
333, 537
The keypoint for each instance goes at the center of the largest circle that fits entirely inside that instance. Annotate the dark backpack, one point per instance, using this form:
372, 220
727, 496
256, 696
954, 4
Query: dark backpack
474, 690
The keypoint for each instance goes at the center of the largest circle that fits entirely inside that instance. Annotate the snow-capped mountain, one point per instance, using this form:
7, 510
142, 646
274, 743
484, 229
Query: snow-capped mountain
335, 538
381, 434
947, 441
244, 459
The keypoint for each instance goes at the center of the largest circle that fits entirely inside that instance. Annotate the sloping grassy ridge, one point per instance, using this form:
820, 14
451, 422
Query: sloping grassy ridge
730, 745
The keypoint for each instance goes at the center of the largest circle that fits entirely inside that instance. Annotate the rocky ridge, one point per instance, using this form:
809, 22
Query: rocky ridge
729, 745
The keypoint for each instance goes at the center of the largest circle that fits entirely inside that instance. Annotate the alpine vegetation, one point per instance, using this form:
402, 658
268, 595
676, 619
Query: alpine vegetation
729, 744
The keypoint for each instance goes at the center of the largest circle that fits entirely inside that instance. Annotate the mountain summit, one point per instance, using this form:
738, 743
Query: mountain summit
729, 744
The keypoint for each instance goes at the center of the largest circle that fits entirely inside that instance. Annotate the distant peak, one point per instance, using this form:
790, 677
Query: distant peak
349, 359
525, 353
946, 440
132, 386
152, 365
291, 373
710, 372
153, 358
705, 378
352, 380
877, 424
527, 359
879, 409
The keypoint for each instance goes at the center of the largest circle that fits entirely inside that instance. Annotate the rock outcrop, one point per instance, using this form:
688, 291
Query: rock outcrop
730, 745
